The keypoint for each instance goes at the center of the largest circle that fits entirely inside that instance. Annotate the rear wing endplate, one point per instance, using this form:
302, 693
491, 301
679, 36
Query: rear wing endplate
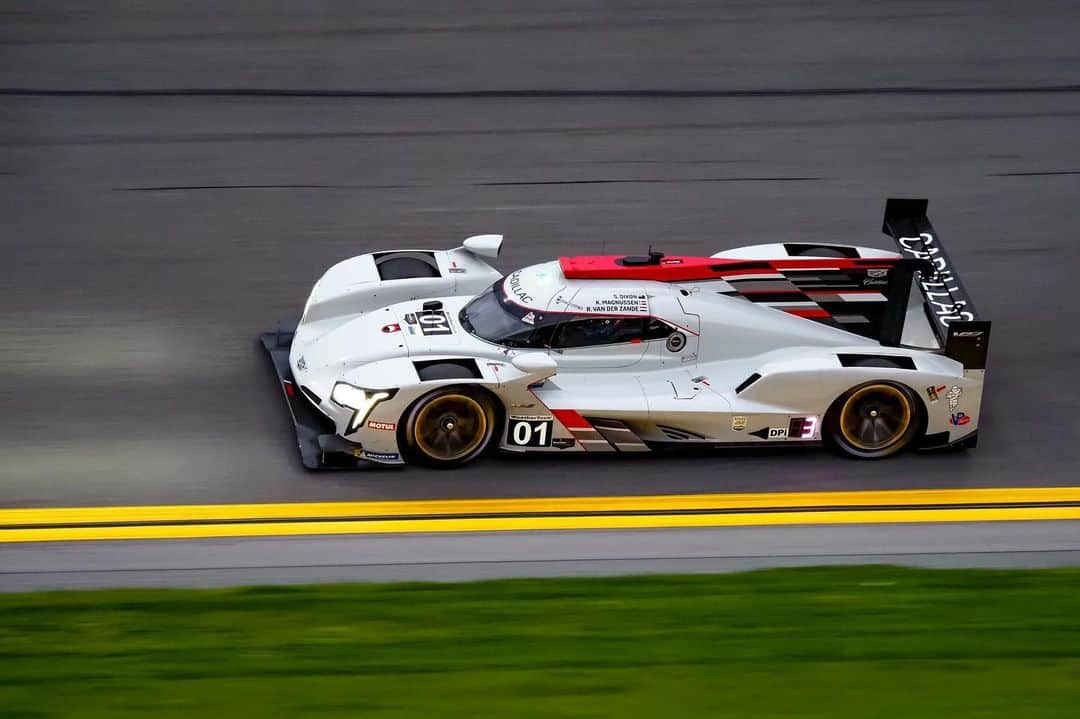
949, 308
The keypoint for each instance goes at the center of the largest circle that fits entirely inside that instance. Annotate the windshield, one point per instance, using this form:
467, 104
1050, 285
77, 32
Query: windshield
492, 317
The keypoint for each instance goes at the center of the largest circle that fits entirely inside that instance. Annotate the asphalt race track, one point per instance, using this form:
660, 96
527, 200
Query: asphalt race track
175, 176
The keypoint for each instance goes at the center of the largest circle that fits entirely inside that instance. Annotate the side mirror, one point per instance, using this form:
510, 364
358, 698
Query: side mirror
484, 245
535, 364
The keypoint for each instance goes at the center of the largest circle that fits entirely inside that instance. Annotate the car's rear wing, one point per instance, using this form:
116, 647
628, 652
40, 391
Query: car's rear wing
948, 307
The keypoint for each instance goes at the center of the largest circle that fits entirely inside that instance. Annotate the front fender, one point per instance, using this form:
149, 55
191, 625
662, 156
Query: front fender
354, 286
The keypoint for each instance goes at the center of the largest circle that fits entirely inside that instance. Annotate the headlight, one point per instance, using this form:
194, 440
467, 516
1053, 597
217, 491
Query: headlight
358, 399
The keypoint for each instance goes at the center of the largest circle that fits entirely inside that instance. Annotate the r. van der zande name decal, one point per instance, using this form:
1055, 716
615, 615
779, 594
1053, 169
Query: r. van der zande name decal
942, 285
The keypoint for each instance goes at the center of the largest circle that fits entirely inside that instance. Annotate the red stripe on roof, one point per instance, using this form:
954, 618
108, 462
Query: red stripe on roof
737, 272
670, 269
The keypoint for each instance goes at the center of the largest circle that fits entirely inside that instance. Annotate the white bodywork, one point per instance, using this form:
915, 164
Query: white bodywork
630, 396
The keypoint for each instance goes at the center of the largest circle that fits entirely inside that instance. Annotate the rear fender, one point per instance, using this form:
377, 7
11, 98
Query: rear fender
950, 397
788, 250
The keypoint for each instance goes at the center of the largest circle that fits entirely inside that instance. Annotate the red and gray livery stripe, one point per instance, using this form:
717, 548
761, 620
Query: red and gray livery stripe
599, 435
841, 291
852, 297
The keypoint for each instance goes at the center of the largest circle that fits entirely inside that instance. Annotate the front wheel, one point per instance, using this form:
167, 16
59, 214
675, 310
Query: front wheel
449, 427
874, 420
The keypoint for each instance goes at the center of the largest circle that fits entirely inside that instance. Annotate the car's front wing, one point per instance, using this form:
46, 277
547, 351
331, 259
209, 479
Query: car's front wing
320, 447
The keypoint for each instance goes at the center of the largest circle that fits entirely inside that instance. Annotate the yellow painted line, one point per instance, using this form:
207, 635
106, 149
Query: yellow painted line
533, 523
584, 505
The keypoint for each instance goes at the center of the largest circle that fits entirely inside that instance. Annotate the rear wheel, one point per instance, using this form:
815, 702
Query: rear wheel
450, 427
874, 420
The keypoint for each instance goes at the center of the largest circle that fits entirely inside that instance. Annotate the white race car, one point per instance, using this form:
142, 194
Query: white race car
434, 357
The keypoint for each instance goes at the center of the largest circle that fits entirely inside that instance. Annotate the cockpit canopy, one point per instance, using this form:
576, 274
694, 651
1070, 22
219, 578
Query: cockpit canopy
493, 316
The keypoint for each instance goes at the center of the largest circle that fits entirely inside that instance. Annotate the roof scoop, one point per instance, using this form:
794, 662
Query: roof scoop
653, 258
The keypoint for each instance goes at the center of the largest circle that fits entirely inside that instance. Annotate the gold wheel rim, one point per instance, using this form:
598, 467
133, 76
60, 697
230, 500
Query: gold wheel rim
450, 427
875, 417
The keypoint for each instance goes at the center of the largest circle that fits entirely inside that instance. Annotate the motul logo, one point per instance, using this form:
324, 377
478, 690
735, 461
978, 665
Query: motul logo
386, 426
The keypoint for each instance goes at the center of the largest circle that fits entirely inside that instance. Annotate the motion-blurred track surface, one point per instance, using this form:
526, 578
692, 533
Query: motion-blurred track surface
467, 557
149, 235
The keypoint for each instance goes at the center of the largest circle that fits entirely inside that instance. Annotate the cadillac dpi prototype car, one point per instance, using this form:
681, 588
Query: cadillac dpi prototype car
433, 357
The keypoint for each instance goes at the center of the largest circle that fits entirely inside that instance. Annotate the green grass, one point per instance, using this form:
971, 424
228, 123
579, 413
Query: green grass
831, 642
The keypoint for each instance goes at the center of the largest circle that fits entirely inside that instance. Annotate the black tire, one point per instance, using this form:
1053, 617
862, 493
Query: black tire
405, 268
449, 427
874, 420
